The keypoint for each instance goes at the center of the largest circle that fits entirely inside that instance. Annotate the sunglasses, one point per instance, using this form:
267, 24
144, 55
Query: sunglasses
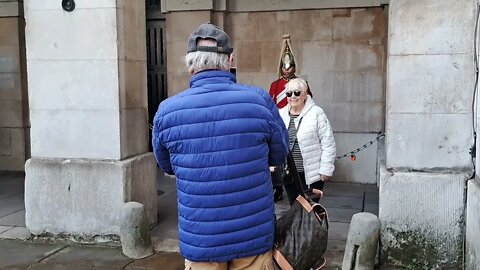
296, 93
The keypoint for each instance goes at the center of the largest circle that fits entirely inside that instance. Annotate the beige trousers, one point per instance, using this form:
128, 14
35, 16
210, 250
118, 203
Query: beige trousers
260, 262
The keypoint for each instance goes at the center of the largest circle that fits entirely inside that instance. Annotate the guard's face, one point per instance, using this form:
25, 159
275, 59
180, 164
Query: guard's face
287, 72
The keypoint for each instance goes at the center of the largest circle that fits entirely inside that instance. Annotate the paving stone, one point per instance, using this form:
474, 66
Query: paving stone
10, 205
341, 215
371, 197
342, 202
336, 245
338, 230
371, 188
20, 233
19, 254
90, 256
371, 208
5, 228
43, 266
171, 261
334, 258
343, 189
14, 219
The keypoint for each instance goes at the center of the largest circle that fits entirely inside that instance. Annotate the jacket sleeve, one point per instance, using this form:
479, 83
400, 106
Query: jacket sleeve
327, 144
278, 144
162, 155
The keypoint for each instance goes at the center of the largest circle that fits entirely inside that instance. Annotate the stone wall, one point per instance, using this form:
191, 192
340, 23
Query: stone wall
341, 52
14, 138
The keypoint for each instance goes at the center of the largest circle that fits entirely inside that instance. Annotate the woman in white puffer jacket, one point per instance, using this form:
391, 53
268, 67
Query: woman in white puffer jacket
311, 139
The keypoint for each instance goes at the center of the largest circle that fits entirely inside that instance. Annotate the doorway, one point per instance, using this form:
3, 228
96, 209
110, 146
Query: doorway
156, 57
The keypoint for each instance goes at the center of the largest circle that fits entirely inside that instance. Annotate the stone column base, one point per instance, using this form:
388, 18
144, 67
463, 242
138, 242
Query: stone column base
472, 256
84, 197
422, 217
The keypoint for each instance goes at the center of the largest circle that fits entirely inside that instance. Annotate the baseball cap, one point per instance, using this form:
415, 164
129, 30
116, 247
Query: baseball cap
210, 31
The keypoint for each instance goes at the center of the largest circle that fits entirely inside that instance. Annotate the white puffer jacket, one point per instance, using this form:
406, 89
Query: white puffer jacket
315, 139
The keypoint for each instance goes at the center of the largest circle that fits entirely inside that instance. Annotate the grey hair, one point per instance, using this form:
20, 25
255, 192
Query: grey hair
198, 61
296, 84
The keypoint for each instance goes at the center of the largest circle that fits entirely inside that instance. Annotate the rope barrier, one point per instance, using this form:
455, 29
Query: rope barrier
353, 153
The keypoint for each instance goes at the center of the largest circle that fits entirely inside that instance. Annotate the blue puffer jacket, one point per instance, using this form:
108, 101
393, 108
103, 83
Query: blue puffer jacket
219, 138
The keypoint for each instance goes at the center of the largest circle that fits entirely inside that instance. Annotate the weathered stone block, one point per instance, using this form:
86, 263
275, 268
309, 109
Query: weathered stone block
472, 220
360, 24
9, 163
9, 58
133, 84
134, 132
175, 5
74, 85
69, 33
17, 136
176, 55
364, 117
422, 216
11, 114
9, 30
363, 170
177, 82
11, 86
84, 197
270, 53
252, 78
5, 142
75, 134
131, 30
11, 9
429, 141
181, 24
342, 57
249, 56
437, 34
424, 83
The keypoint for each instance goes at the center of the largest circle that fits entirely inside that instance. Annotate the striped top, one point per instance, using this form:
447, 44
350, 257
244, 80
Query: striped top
292, 135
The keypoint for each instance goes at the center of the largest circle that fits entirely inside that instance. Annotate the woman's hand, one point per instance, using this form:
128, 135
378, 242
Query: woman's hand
317, 193
324, 177
272, 169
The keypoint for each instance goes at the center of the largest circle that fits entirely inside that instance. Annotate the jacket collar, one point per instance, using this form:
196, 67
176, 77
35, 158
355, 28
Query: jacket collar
309, 103
212, 76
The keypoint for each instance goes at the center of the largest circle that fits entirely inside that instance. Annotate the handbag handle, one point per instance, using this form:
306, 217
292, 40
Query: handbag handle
295, 176
292, 168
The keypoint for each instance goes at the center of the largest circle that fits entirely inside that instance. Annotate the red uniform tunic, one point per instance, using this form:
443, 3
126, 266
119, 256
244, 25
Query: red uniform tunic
277, 92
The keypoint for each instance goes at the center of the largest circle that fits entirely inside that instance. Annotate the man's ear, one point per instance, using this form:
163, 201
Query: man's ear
230, 60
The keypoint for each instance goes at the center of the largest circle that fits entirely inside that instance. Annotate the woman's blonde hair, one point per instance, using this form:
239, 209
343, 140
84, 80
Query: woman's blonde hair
296, 84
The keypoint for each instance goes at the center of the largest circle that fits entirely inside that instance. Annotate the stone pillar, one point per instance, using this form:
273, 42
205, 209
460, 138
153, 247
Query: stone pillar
472, 215
88, 108
430, 82
14, 122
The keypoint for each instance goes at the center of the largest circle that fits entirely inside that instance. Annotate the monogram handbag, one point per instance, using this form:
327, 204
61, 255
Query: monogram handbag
301, 232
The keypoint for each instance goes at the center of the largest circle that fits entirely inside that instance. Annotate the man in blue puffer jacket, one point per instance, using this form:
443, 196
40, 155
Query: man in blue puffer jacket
219, 138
